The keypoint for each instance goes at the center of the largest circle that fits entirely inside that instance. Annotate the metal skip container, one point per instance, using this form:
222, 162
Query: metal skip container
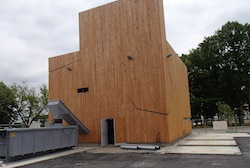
22, 141
19, 142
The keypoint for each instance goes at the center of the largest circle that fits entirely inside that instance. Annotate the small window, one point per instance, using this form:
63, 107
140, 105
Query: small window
84, 90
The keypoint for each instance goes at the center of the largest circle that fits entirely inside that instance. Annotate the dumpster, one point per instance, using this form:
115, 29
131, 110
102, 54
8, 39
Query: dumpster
3, 142
23, 141
19, 142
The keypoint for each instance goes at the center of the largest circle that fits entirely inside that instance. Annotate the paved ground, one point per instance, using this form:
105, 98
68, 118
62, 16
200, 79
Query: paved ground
89, 160
114, 157
209, 143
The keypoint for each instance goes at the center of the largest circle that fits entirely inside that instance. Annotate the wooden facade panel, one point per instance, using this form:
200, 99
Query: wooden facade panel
137, 93
178, 104
58, 62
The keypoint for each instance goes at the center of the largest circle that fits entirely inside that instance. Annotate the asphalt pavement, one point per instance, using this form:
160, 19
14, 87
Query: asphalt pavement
114, 157
154, 160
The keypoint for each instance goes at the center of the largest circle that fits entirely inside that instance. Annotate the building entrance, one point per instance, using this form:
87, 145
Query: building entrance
107, 132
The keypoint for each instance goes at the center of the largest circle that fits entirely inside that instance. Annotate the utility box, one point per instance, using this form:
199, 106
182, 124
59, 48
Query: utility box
220, 125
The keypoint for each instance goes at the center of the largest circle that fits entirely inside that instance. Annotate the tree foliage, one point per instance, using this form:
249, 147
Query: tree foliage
6, 104
219, 69
30, 106
225, 111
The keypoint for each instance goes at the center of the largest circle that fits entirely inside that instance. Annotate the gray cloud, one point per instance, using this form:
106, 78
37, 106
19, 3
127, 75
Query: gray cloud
188, 22
33, 31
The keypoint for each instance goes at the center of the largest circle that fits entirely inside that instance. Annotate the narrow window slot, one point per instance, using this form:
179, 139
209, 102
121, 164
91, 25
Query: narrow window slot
84, 90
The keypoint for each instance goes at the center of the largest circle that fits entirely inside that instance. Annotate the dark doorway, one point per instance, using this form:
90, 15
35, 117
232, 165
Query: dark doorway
111, 139
107, 131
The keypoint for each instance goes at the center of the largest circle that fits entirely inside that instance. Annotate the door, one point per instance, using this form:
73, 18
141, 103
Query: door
107, 132
104, 132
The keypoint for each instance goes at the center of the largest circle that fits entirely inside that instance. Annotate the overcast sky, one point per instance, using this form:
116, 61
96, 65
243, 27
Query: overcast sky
34, 30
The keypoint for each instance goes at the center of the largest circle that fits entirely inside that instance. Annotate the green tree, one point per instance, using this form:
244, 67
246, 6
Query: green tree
30, 106
225, 111
219, 69
6, 104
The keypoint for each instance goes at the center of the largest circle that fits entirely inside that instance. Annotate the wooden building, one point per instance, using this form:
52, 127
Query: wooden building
126, 84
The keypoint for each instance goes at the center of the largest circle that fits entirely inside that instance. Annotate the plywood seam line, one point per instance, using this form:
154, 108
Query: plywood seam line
149, 111
64, 65
171, 79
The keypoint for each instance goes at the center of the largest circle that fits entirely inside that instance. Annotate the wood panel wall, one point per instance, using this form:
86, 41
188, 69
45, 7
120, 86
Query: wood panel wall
119, 86
177, 95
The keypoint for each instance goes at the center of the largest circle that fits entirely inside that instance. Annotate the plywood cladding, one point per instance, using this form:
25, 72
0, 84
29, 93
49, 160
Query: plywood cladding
132, 74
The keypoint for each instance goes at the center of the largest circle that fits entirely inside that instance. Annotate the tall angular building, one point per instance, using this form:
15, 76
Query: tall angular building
126, 83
